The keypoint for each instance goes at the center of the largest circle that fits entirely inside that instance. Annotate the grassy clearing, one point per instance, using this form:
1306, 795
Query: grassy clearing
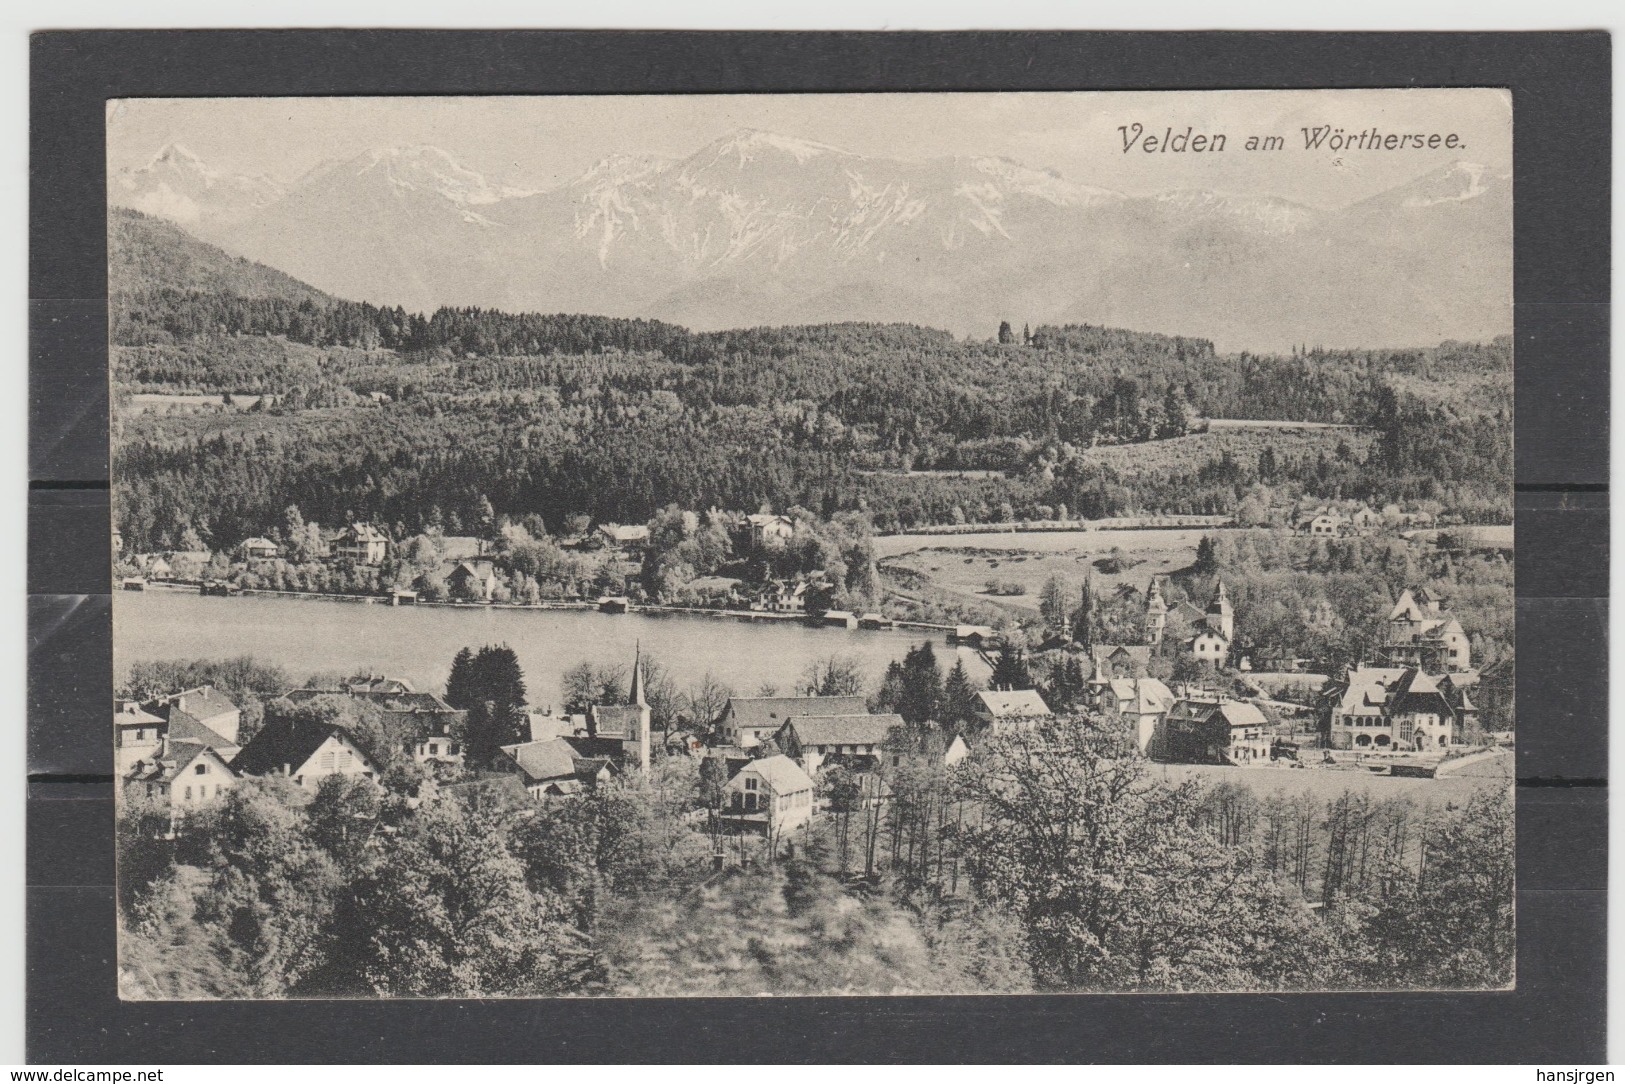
964, 564
1327, 785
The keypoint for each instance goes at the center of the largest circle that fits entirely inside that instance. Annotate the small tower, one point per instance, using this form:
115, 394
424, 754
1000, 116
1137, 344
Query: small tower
1156, 614
635, 697
1219, 616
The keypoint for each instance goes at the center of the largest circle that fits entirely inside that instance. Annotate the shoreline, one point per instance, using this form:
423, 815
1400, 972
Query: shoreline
651, 609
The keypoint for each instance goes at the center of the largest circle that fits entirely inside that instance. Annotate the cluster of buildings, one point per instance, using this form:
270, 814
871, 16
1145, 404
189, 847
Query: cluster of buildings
1419, 695
183, 749
1208, 633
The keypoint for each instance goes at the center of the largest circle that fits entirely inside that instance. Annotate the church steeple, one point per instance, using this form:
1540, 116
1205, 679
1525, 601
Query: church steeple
1156, 613
635, 696
1220, 617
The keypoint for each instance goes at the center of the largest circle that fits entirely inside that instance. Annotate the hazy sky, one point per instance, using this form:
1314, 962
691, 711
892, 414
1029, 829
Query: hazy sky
541, 142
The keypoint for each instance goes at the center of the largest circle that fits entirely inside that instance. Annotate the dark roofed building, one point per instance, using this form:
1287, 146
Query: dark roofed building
558, 766
305, 752
205, 712
811, 741
750, 720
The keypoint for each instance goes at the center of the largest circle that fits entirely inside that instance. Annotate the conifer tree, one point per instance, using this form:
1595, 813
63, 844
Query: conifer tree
959, 697
1010, 671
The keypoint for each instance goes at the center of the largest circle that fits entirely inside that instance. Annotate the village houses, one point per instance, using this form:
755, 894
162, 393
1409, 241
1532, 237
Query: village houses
1214, 729
747, 721
856, 740
180, 775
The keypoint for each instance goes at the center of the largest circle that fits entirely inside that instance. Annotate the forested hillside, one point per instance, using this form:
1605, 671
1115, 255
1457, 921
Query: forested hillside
146, 253
423, 416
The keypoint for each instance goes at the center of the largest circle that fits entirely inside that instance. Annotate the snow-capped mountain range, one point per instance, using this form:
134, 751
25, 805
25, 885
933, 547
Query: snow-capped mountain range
759, 228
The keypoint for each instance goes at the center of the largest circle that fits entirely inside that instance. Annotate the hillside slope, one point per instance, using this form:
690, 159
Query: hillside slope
146, 253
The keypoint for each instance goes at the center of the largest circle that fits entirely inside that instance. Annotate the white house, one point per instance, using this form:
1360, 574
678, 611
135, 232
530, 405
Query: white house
772, 795
1143, 703
765, 527
258, 549
1008, 711
304, 752
182, 775
1389, 709
362, 543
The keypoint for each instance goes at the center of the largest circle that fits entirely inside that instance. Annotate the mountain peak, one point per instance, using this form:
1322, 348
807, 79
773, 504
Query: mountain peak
177, 156
749, 143
420, 167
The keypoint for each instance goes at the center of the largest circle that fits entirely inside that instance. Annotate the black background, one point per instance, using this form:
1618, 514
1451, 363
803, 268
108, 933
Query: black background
1561, 94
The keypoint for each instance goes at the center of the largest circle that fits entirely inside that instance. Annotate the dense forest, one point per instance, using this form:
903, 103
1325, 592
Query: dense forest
396, 417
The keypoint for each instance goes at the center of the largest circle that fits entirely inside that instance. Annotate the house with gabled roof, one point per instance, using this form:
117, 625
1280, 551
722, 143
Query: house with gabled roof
473, 579
1214, 729
204, 714
815, 740
1011, 711
1423, 634
258, 549
747, 721
181, 775
362, 543
772, 796
624, 538
765, 527
1143, 704
557, 767
305, 752
1393, 708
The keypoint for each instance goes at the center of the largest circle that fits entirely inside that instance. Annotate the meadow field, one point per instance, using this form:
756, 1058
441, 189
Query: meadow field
964, 564
1326, 785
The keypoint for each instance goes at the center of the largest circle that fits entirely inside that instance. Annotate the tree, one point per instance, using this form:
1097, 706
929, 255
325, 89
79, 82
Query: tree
921, 685
1116, 882
495, 691
450, 914
1067, 685
960, 702
1083, 620
1006, 335
1052, 604
342, 816
708, 699
837, 675
459, 683
1010, 670
271, 889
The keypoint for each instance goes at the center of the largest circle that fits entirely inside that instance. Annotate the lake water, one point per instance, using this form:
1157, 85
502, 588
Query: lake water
306, 636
